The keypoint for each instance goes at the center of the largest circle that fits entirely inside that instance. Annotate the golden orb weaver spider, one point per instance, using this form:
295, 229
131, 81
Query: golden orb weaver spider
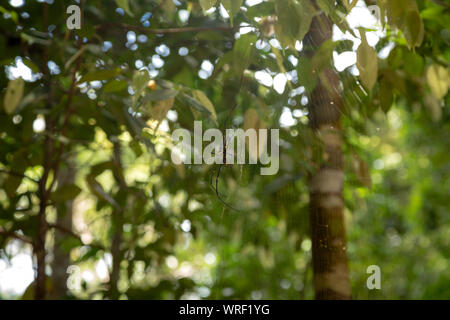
215, 186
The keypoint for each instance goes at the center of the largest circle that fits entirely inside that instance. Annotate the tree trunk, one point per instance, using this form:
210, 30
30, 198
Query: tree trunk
331, 278
40, 253
117, 220
61, 258
39, 241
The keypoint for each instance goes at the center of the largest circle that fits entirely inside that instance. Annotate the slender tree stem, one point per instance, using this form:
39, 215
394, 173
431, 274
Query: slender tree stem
71, 233
17, 174
15, 235
117, 220
162, 31
39, 241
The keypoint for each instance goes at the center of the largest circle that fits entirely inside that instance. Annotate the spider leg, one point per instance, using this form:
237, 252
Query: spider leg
219, 196
228, 205
213, 182
217, 180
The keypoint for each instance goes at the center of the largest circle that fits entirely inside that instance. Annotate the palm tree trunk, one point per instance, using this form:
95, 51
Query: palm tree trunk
331, 277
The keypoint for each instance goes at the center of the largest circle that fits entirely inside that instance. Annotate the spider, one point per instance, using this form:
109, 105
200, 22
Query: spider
215, 184
243, 82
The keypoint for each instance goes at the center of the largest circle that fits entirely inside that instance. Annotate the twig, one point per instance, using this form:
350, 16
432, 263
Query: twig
117, 220
219, 196
73, 234
15, 235
162, 31
20, 175
40, 291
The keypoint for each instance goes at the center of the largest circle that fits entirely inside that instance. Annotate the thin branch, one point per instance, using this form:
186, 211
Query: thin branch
162, 31
441, 3
72, 234
20, 175
39, 241
11, 234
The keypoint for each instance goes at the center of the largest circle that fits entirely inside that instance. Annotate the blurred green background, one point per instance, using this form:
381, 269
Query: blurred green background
96, 112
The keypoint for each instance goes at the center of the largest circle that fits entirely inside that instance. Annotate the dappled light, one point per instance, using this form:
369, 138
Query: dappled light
224, 149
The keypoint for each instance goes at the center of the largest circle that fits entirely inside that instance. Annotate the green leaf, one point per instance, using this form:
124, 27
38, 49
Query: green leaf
322, 59
294, 20
385, 95
69, 243
434, 107
404, 15
306, 12
160, 109
336, 15
343, 46
367, 63
115, 86
207, 4
100, 75
288, 22
413, 63
414, 29
32, 37
204, 100
159, 95
136, 147
326, 6
125, 6
14, 93
233, 7
195, 104
309, 70
29, 291
168, 8
99, 168
397, 80
139, 83
140, 80
262, 9
242, 52
66, 192
98, 190
12, 14
307, 78
11, 184
438, 80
